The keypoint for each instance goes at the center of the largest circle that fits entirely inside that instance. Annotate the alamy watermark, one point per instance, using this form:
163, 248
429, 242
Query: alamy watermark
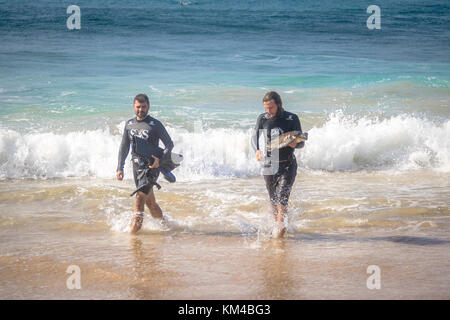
74, 20
374, 21
74, 281
374, 280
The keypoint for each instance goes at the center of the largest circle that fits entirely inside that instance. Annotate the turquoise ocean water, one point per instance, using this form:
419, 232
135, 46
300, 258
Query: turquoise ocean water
210, 62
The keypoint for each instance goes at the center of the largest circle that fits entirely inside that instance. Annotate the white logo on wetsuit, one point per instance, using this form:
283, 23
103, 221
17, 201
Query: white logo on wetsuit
275, 132
139, 133
290, 117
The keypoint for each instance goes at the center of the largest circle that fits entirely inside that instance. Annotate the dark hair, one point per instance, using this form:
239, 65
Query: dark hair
142, 98
272, 95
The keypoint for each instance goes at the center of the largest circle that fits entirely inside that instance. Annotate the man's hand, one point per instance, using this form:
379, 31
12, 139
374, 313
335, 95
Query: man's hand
155, 163
259, 155
293, 144
119, 175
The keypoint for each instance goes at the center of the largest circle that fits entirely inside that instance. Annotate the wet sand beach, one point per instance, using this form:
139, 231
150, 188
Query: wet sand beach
226, 253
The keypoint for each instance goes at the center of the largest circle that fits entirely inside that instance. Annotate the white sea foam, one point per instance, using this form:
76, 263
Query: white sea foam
344, 143
401, 142
49, 155
67, 93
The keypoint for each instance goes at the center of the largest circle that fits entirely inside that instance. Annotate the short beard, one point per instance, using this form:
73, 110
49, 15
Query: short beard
143, 117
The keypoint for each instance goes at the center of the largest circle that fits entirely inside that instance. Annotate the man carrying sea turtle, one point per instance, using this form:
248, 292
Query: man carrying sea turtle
280, 165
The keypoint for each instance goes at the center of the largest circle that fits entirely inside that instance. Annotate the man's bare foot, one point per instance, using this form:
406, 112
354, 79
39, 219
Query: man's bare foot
278, 231
136, 224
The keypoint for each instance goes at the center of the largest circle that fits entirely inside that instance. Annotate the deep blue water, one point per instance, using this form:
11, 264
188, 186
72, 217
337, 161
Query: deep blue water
162, 47
381, 95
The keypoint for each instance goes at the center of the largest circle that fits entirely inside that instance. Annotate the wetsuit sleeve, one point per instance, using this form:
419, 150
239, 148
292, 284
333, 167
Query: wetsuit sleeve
298, 127
255, 135
165, 138
124, 149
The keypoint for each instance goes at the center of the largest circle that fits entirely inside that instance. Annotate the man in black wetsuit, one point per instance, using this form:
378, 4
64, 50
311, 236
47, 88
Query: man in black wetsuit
280, 165
150, 129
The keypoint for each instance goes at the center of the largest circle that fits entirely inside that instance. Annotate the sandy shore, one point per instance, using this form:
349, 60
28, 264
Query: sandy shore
218, 247
228, 266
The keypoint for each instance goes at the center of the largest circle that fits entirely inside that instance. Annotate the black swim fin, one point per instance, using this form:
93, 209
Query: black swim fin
168, 162
169, 176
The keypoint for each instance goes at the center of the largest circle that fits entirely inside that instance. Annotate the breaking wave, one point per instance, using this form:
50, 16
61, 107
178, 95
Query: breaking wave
343, 143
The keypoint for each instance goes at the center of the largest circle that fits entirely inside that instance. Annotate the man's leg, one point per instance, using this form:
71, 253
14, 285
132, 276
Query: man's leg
274, 208
281, 214
155, 210
138, 218
271, 186
285, 184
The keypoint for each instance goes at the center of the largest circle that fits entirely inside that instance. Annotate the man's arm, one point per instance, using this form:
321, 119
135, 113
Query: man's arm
124, 149
165, 138
168, 145
255, 138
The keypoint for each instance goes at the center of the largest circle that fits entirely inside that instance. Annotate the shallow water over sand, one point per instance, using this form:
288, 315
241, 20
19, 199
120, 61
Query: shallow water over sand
217, 245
